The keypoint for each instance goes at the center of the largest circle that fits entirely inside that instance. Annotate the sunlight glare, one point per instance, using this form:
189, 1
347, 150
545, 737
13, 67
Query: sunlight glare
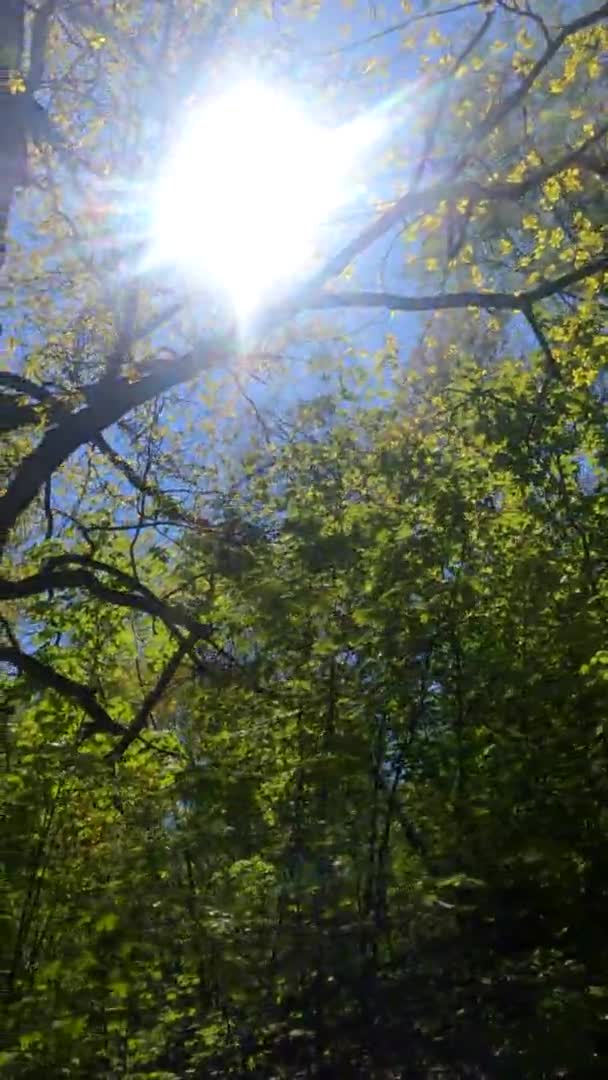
249, 186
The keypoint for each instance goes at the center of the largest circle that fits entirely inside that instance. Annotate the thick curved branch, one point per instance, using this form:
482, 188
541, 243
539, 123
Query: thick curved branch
43, 675
107, 402
21, 385
140, 599
13, 415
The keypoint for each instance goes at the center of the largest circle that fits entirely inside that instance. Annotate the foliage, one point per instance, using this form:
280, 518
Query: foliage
304, 695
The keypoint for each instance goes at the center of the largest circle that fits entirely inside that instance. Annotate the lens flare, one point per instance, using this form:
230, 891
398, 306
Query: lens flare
248, 186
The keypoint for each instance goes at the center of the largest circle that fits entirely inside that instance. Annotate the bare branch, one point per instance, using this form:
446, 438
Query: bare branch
488, 301
428, 199
434, 126
164, 500
48, 508
396, 28
527, 14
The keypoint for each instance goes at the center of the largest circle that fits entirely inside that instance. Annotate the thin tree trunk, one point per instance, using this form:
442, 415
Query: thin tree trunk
12, 111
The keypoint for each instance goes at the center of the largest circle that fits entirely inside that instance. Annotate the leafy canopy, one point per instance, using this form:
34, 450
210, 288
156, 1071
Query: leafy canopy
303, 666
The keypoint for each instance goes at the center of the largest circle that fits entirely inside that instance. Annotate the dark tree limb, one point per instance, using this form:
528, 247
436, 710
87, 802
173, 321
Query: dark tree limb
108, 401
123, 466
12, 111
595, 164
427, 199
138, 599
14, 413
21, 385
14, 416
48, 508
43, 675
489, 301
151, 701
541, 337
39, 36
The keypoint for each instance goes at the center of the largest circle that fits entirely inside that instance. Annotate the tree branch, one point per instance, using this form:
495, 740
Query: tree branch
110, 400
172, 615
151, 700
107, 402
489, 301
428, 199
21, 385
13, 415
12, 112
504, 107
164, 500
39, 37
541, 337
395, 28
45, 676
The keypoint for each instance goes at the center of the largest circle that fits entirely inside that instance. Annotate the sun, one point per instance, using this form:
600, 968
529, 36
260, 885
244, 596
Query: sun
247, 189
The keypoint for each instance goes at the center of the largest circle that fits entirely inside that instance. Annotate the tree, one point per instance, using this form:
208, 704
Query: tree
304, 741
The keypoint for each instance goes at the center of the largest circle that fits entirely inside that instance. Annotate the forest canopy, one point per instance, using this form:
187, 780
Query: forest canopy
303, 528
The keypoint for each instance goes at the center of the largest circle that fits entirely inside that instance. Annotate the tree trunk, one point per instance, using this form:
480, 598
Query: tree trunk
12, 111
